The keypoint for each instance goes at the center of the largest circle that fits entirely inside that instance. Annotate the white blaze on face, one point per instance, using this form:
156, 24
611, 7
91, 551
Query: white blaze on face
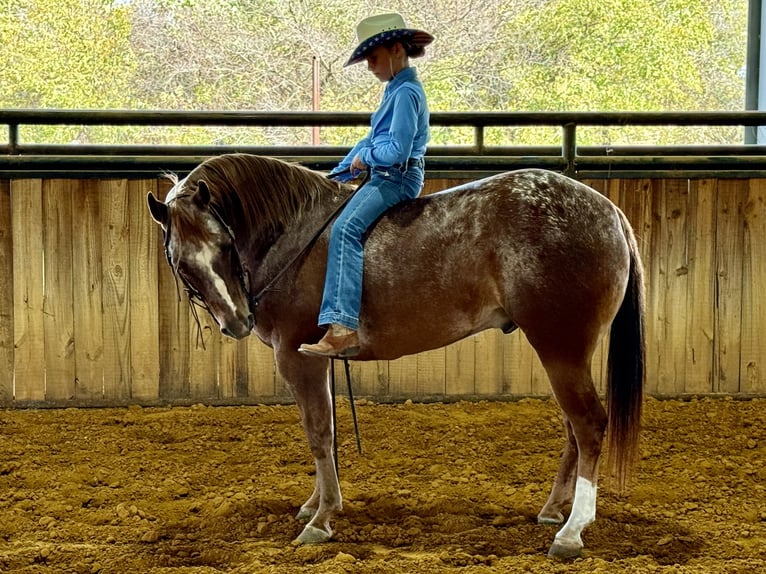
203, 261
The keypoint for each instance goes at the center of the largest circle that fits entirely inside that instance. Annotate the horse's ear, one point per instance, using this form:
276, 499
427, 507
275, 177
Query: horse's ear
158, 210
203, 193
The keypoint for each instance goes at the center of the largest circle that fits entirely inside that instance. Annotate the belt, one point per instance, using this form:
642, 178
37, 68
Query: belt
412, 162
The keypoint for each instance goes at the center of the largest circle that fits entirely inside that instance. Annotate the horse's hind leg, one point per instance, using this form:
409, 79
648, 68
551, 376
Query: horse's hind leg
563, 489
586, 421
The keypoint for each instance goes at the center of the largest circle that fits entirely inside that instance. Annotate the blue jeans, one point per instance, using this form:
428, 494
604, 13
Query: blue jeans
342, 295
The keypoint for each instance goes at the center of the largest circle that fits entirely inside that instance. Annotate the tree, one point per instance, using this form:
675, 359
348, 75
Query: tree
489, 55
637, 55
65, 54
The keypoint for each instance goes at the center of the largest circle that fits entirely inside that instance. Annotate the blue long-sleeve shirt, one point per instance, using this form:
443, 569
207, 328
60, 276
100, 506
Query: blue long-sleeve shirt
399, 129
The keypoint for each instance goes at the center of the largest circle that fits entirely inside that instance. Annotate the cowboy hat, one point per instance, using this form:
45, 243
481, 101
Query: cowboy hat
384, 28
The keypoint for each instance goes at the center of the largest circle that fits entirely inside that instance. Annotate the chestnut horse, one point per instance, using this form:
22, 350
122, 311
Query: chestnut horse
528, 249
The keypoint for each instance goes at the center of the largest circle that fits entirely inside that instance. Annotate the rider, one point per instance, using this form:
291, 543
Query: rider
392, 152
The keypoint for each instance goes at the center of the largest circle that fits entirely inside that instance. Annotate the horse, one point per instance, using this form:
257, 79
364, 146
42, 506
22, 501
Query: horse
529, 249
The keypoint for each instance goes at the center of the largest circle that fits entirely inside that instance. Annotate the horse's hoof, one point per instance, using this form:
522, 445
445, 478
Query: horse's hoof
563, 550
305, 514
313, 535
551, 520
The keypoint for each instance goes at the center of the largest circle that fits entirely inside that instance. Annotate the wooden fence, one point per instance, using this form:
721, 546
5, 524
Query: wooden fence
90, 314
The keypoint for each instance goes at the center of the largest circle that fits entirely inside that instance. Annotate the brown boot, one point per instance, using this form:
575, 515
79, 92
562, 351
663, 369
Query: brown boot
338, 341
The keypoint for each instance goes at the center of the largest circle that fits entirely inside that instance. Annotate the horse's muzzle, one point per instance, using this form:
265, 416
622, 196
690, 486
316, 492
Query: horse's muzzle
239, 330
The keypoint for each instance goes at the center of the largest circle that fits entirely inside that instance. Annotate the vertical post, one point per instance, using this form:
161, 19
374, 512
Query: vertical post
569, 147
13, 138
754, 92
315, 98
478, 138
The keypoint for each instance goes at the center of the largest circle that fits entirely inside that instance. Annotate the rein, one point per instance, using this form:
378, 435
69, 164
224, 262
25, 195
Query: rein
335, 415
254, 299
196, 299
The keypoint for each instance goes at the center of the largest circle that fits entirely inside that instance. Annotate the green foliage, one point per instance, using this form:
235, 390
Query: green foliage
615, 54
67, 53
634, 55
492, 55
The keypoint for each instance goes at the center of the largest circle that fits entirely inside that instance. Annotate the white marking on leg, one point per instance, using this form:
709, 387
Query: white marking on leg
330, 501
327, 482
583, 512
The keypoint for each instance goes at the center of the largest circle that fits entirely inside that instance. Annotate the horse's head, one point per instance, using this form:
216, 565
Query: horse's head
201, 250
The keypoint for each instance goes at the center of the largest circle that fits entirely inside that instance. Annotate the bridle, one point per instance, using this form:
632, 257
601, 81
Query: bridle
197, 300
195, 297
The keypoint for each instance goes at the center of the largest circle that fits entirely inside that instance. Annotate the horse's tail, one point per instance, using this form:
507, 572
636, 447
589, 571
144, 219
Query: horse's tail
625, 368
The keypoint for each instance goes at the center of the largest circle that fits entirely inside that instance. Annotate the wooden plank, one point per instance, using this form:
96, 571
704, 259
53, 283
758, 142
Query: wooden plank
701, 287
115, 242
489, 363
58, 308
403, 377
242, 375
204, 355
614, 190
729, 246
261, 378
28, 323
435, 185
174, 323
508, 357
431, 373
460, 367
636, 202
143, 294
6, 294
88, 292
281, 388
704, 331
675, 305
174, 341
369, 378
656, 265
227, 368
753, 367
233, 368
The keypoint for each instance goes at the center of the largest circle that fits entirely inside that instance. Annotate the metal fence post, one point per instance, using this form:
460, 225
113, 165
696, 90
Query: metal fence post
569, 147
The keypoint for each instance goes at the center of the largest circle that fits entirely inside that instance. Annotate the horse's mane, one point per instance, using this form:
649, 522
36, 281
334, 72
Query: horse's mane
266, 193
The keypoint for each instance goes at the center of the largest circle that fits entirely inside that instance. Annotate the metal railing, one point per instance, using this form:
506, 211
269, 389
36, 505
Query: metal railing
18, 159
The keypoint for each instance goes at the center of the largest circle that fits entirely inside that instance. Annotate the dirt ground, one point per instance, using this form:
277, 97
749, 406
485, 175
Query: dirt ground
439, 488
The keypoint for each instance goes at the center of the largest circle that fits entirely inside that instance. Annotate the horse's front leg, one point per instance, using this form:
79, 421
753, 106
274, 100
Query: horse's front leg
307, 378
